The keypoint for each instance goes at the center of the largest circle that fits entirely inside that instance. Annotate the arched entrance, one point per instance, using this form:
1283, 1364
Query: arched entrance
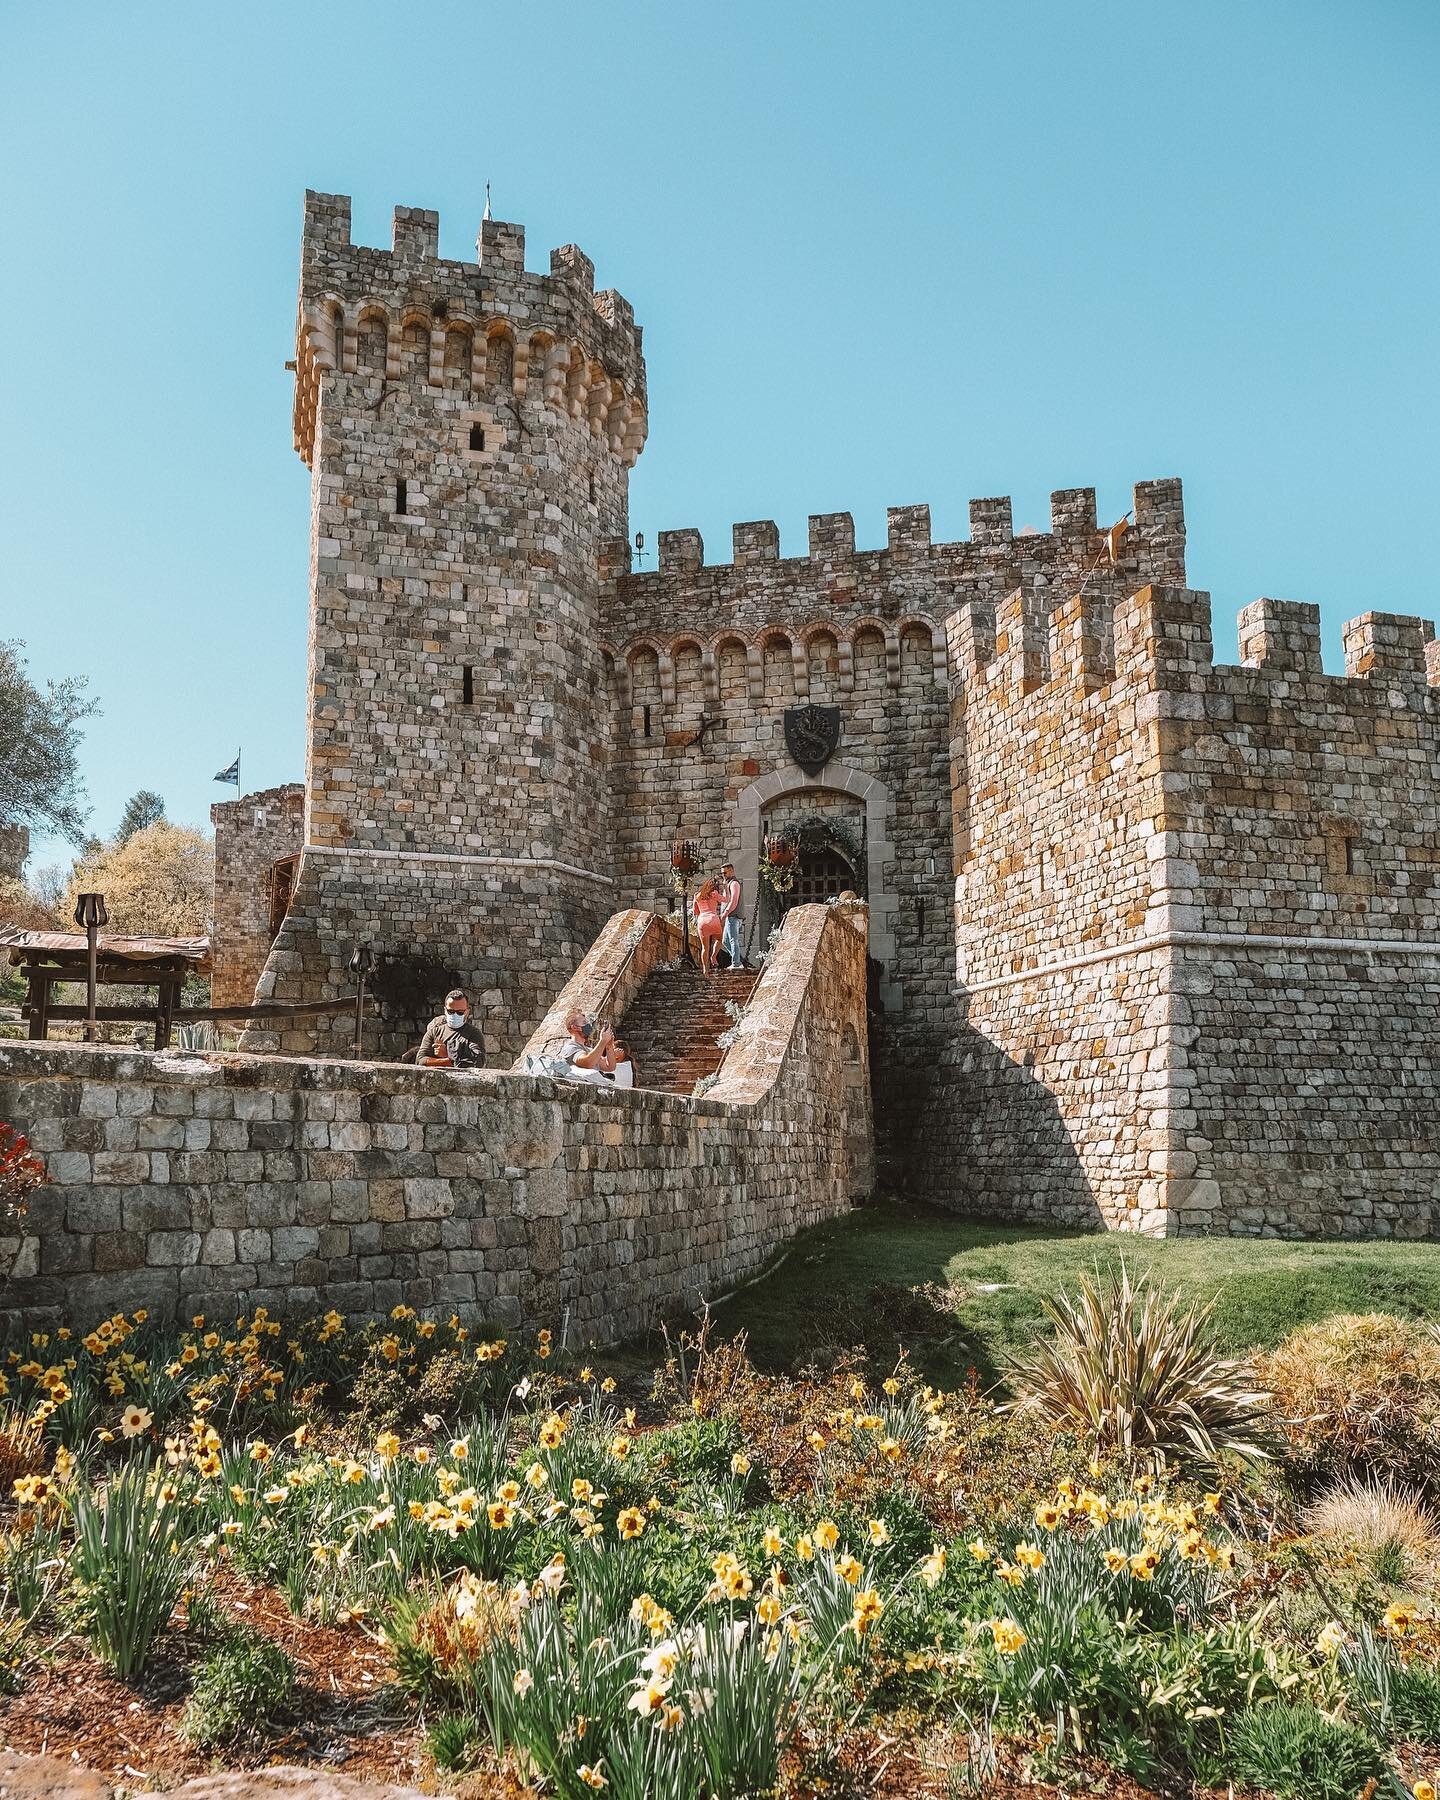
878, 849
828, 832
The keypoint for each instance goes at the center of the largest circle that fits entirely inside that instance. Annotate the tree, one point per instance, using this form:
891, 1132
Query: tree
21, 905
39, 747
141, 809
158, 883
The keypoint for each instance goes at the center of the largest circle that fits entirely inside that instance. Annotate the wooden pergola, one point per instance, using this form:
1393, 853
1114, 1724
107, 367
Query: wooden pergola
48, 957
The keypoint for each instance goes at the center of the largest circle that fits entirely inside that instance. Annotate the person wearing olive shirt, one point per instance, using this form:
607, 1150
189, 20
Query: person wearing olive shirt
451, 1041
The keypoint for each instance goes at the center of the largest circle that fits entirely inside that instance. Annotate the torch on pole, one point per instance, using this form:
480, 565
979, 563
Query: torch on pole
685, 861
91, 914
360, 963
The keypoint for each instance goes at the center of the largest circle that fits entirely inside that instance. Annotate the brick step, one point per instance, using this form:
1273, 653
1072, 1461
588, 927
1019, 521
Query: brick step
672, 1023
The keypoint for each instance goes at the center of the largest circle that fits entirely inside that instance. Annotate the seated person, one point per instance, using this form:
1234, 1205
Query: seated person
624, 1074
451, 1041
590, 1053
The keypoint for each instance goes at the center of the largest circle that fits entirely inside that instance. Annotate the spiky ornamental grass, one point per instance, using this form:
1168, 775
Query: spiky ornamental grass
1136, 1371
134, 1549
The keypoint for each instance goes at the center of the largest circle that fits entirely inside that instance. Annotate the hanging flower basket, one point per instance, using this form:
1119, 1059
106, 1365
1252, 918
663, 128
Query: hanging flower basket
777, 865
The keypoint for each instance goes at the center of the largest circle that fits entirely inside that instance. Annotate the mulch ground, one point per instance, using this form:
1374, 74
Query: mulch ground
348, 1716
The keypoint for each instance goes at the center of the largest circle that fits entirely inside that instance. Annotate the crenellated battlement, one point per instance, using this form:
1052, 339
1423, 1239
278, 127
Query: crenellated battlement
1155, 537
407, 314
1158, 640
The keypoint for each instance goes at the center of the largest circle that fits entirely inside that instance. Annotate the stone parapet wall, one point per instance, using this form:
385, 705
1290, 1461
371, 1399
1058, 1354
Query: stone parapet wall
184, 1180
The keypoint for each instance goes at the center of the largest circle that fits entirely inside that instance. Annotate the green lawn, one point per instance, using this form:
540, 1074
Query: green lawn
961, 1293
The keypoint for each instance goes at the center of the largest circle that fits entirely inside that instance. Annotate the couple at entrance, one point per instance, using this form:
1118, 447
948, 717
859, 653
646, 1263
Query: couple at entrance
719, 922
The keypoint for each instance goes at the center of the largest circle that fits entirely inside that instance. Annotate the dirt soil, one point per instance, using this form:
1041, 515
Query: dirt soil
347, 1714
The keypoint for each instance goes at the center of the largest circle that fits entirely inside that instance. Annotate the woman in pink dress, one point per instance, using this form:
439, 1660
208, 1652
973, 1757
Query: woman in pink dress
709, 926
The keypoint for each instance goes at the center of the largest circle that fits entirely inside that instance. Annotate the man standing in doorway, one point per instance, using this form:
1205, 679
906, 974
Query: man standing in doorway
733, 941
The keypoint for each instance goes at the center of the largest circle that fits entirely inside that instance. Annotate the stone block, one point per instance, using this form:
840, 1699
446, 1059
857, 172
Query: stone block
172, 1249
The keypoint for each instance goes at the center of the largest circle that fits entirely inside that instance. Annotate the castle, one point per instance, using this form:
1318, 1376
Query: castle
1154, 938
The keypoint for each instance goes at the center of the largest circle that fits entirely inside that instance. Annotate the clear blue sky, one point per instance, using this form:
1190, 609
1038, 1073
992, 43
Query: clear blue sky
882, 254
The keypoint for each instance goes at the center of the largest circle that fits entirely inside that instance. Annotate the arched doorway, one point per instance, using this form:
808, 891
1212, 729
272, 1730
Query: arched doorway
753, 806
830, 854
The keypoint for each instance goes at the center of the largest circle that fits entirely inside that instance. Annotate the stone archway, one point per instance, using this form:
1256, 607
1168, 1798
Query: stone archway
879, 848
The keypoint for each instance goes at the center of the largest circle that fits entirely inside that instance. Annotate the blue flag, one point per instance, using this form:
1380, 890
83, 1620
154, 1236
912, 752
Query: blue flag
232, 774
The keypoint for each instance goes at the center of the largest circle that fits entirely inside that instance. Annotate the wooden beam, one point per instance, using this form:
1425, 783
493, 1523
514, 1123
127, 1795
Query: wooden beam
116, 975
192, 1015
114, 1015
275, 1009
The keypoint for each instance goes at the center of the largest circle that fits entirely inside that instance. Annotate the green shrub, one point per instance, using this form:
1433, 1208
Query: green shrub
1416, 1704
241, 1688
1359, 1394
31, 1563
453, 1741
1395, 1700
1296, 1753
1137, 1372
133, 1553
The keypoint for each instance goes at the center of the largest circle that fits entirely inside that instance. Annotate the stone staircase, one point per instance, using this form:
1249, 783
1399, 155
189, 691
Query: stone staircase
674, 1019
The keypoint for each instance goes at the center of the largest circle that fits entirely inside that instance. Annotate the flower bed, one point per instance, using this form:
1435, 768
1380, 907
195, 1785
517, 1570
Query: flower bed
421, 1547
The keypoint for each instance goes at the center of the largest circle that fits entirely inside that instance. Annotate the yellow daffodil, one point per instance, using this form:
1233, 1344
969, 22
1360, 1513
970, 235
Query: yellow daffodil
134, 1420
865, 1610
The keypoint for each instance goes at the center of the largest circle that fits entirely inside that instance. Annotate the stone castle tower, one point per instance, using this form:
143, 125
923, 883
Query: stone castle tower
470, 429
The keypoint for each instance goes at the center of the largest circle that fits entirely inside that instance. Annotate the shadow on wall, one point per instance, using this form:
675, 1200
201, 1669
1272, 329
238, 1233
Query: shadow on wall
974, 1130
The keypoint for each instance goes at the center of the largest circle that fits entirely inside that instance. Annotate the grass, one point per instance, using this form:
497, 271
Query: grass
961, 1293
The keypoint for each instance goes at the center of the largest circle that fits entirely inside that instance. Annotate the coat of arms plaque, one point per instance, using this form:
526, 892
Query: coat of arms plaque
811, 735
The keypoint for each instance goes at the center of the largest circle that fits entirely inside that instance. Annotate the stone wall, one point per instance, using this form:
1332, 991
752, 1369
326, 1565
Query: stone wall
707, 659
253, 835
183, 1179
1303, 822
1046, 1106
1196, 920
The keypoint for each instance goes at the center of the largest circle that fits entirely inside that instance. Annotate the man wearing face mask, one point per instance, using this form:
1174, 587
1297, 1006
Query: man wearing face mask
451, 1041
